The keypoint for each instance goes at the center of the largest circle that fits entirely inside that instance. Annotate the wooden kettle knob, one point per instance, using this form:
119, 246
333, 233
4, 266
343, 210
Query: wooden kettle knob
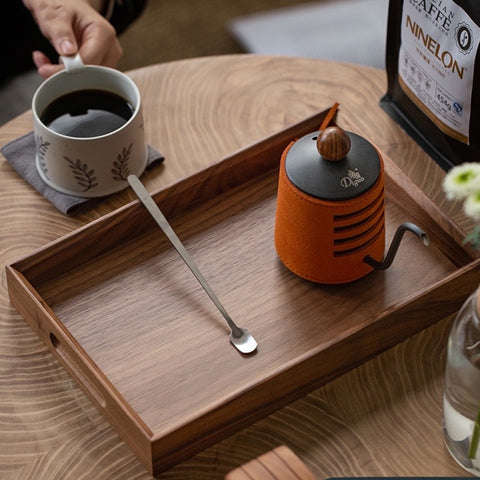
333, 144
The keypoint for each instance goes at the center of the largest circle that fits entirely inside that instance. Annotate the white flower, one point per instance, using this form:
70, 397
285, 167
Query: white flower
472, 206
462, 181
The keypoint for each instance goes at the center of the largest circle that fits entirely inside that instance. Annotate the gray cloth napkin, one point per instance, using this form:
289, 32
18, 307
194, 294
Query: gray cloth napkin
20, 154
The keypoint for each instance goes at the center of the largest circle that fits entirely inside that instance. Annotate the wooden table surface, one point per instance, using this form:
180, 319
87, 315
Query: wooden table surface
383, 418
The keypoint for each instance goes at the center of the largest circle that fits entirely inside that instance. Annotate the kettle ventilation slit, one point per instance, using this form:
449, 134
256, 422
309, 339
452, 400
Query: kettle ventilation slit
371, 230
354, 250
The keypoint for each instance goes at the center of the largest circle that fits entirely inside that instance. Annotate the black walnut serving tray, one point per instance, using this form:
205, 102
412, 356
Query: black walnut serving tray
122, 313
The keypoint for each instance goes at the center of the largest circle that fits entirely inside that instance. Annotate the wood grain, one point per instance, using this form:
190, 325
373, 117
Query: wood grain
198, 111
278, 464
107, 309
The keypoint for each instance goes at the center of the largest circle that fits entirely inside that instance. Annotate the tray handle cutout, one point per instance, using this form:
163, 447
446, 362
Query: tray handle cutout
76, 371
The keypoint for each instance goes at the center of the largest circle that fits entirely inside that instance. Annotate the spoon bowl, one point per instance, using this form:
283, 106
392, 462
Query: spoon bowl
242, 340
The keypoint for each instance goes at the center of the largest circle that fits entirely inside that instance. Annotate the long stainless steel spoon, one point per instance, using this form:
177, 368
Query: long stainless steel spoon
239, 337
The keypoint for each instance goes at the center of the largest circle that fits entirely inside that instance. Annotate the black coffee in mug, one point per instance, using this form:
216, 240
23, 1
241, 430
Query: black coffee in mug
87, 113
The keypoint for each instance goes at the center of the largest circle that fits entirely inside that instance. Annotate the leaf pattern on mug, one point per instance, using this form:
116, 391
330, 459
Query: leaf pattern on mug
42, 148
120, 168
82, 174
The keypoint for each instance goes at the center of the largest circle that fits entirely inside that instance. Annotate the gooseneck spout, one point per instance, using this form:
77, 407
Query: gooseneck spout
392, 251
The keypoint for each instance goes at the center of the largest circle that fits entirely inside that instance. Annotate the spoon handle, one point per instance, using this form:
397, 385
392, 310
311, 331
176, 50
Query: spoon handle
158, 216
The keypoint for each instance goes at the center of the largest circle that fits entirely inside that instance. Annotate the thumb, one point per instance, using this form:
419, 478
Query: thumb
65, 47
56, 22
59, 31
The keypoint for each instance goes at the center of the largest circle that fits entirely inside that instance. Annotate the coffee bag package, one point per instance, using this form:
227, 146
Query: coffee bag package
434, 76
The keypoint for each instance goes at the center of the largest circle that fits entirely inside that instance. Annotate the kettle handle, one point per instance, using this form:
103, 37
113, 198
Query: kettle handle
392, 251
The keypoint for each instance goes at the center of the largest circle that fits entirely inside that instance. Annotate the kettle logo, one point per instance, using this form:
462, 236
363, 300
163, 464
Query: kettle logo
352, 179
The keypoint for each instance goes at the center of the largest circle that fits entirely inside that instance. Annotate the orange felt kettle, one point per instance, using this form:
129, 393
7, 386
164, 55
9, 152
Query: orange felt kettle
330, 217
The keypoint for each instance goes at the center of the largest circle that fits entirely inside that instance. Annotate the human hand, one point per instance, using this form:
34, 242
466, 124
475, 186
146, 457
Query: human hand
74, 26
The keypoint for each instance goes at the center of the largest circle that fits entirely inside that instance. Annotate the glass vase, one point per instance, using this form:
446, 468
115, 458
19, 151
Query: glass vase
461, 400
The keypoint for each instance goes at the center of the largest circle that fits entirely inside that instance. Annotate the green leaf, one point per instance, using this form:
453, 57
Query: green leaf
472, 451
474, 237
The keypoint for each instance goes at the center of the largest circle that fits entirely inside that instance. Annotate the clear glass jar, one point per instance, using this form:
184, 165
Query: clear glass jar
461, 400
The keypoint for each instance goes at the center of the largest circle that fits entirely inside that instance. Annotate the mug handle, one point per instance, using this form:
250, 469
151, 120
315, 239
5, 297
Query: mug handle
73, 64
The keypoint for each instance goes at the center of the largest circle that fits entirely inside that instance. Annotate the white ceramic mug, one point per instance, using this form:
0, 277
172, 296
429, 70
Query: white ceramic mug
92, 166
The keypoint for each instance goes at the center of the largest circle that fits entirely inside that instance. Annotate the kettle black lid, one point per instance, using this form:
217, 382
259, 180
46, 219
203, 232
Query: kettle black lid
350, 175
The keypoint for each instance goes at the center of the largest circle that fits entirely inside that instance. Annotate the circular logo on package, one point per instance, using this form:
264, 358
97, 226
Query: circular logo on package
464, 38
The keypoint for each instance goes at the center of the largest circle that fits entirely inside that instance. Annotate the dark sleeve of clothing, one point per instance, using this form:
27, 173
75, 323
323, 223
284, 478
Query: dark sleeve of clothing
20, 40
125, 12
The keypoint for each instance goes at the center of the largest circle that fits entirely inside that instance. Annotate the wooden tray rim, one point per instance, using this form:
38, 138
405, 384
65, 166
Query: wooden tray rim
448, 234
